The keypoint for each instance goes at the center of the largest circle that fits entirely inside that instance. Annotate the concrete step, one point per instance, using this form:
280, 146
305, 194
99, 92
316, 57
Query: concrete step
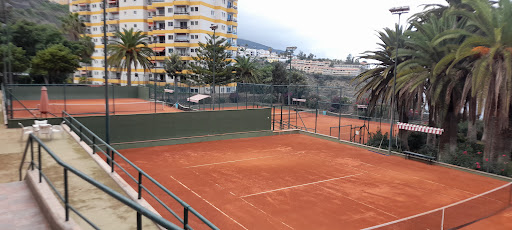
19, 209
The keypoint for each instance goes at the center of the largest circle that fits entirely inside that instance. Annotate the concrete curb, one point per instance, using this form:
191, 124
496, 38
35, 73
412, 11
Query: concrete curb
48, 203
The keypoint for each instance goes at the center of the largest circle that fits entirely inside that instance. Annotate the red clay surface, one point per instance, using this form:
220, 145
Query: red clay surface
500, 221
299, 182
80, 107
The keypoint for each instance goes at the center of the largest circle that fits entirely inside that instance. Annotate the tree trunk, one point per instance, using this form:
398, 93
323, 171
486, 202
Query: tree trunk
498, 149
129, 76
404, 134
448, 140
472, 117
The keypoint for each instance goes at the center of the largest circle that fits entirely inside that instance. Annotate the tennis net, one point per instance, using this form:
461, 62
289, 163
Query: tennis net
132, 107
456, 215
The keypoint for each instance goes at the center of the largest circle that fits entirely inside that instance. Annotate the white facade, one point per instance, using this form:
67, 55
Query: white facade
325, 68
172, 26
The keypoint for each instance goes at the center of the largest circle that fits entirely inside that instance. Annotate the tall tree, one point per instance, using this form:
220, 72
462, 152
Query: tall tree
73, 26
55, 63
131, 50
489, 42
174, 67
246, 70
212, 59
19, 62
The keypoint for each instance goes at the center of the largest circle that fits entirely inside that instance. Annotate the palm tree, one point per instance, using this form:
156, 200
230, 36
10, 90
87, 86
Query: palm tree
73, 26
489, 44
131, 50
246, 70
418, 78
377, 83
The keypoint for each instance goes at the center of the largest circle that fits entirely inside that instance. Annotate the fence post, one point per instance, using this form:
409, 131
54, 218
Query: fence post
112, 154
317, 102
31, 153
139, 184
39, 161
80, 136
66, 193
139, 221
339, 120
93, 144
281, 121
185, 218
65, 98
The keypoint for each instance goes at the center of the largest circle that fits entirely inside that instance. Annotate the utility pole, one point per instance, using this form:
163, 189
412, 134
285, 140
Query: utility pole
396, 10
107, 110
214, 27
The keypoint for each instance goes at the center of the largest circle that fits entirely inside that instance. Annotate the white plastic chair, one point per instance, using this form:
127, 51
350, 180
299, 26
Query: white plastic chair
25, 130
58, 129
45, 130
43, 122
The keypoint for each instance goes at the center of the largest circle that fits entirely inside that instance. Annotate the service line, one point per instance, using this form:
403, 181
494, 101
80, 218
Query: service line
300, 185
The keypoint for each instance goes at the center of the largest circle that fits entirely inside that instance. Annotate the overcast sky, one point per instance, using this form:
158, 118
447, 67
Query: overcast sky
326, 28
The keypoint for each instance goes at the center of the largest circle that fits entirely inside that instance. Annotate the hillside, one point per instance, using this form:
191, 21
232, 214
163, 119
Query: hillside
254, 45
38, 11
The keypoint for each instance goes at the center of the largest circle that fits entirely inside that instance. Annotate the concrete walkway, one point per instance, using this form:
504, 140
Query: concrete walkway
97, 206
19, 209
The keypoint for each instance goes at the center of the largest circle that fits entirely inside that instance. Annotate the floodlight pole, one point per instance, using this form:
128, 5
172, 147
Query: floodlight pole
290, 51
214, 27
399, 11
107, 111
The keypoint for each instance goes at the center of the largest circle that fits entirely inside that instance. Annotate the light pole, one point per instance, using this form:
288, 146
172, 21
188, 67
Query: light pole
107, 110
396, 10
290, 51
214, 27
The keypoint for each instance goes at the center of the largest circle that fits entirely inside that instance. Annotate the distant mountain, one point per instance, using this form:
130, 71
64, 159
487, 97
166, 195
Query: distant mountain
38, 11
254, 45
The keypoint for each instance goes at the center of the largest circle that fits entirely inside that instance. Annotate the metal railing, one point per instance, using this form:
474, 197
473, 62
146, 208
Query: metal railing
112, 155
65, 197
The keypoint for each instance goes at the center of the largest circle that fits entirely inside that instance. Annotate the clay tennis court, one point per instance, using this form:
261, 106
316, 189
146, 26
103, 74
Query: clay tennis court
91, 107
296, 181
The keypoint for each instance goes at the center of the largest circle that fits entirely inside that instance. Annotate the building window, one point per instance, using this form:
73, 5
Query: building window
213, 13
191, 50
170, 37
169, 10
170, 23
170, 50
134, 12
135, 25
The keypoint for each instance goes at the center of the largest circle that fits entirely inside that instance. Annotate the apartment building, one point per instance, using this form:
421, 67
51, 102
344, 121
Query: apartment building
325, 68
172, 26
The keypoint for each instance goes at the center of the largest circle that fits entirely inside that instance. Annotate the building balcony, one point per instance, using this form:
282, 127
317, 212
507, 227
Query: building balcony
182, 13
181, 40
153, 1
182, 27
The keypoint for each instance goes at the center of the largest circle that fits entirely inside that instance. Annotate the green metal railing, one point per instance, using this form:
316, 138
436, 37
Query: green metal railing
37, 164
112, 156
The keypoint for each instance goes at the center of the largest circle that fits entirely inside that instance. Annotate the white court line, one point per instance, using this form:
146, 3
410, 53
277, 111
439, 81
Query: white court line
300, 185
367, 205
225, 162
418, 178
209, 203
264, 212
